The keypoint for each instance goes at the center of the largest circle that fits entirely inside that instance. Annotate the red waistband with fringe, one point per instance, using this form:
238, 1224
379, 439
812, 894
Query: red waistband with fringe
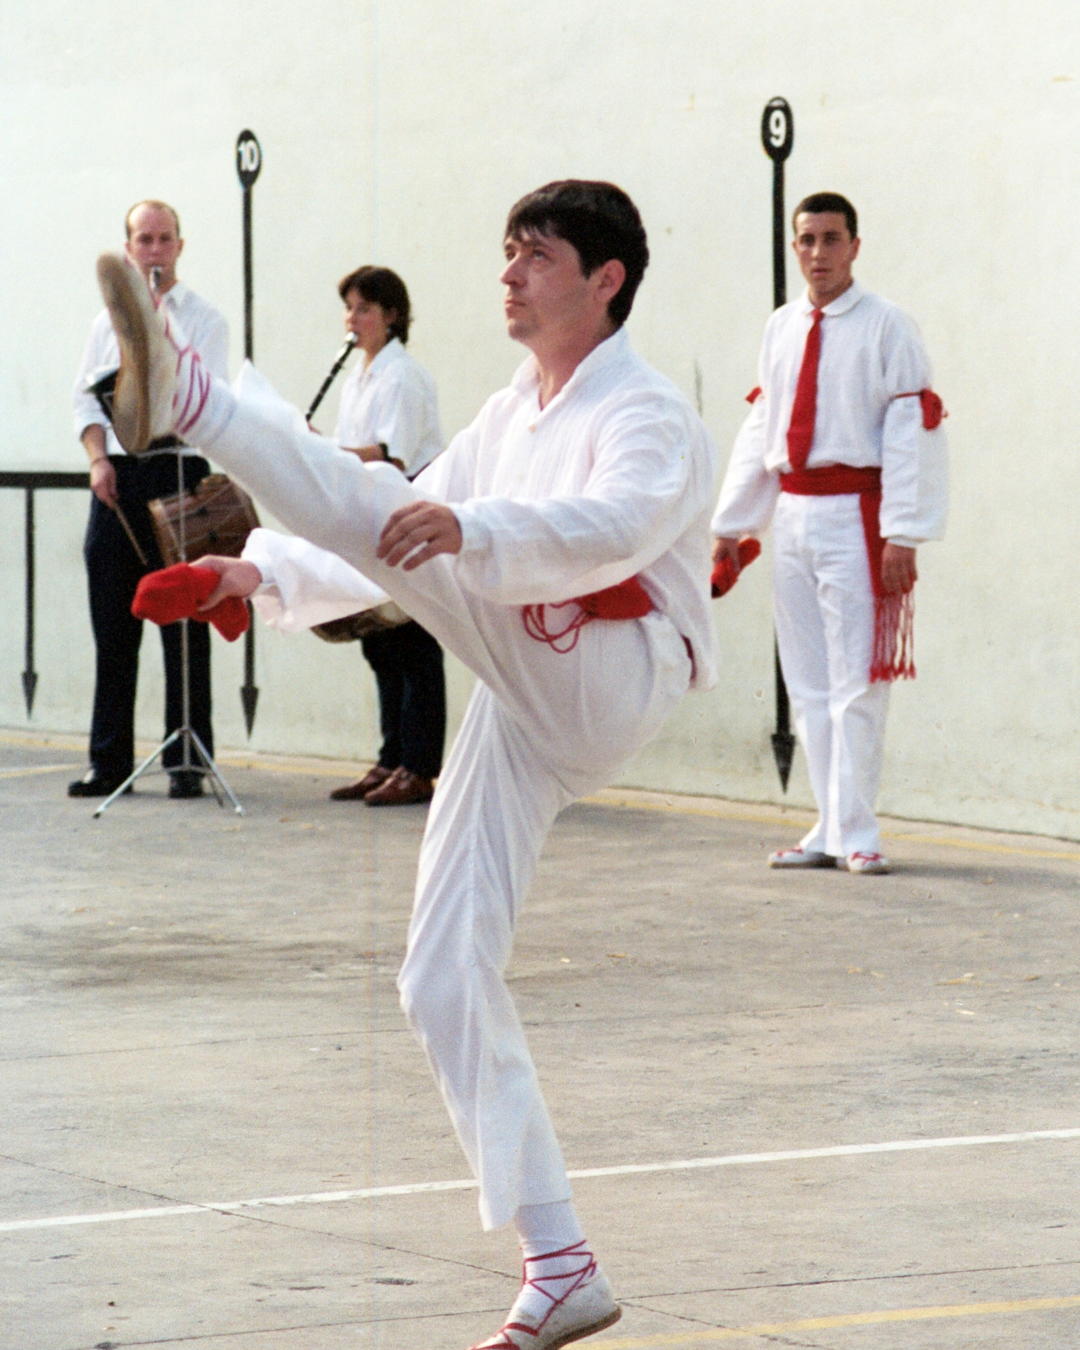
893, 654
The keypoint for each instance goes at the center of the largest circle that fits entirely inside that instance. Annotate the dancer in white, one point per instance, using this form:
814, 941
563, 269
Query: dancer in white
843, 451
581, 490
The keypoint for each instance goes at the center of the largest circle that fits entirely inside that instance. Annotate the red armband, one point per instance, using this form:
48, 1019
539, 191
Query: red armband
933, 410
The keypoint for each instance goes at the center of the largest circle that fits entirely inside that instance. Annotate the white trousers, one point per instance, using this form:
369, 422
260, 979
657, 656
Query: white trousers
541, 729
825, 627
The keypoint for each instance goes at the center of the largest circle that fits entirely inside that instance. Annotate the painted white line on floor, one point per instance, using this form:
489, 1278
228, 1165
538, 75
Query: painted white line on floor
628, 1169
836, 1151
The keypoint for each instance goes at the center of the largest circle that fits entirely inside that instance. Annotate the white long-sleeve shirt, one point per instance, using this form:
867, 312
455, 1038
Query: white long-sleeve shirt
871, 352
203, 326
392, 402
613, 478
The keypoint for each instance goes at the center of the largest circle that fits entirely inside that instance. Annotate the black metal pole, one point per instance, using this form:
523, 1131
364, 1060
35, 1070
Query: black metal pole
779, 255
778, 137
249, 341
248, 164
29, 675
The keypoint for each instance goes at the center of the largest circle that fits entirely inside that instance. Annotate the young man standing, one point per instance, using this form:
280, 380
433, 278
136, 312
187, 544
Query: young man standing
843, 453
583, 489
121, 486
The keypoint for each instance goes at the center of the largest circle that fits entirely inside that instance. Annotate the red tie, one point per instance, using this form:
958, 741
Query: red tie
800, 434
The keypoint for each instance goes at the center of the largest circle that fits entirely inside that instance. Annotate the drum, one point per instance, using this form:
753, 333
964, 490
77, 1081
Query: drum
355, 626
216, 515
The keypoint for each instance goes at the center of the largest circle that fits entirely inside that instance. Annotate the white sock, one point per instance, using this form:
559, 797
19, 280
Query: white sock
547, 1228
557, 1259
203, 405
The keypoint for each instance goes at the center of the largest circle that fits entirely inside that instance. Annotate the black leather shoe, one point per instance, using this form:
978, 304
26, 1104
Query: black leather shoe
94, 784
185, 783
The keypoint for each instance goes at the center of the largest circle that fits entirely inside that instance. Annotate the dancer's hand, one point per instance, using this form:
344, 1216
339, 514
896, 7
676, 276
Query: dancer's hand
236, 576
417, 532
898, 574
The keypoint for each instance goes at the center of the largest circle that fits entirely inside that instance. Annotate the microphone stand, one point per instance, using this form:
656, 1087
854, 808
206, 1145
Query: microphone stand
185, 733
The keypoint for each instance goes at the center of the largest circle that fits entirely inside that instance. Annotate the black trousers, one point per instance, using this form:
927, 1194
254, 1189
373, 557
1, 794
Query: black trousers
113, 570
408, 666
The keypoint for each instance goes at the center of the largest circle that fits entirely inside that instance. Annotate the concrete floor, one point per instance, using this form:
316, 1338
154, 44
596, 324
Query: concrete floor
805, 1110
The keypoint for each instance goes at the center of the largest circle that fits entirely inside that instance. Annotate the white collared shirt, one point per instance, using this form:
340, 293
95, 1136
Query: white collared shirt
871, 352
203, 326
615, 477
392, 402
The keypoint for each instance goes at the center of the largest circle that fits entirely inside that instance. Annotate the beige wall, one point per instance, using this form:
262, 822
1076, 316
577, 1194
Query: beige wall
400, 132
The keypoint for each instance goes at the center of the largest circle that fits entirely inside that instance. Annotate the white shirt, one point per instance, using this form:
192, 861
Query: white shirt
201, 324
613, 478
870, 353
392, 402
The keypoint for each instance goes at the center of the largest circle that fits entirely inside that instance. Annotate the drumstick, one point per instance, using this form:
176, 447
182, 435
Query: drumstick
131, 535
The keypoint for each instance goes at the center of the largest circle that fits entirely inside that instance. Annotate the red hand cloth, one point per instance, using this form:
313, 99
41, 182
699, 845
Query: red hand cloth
724, 575
177, 592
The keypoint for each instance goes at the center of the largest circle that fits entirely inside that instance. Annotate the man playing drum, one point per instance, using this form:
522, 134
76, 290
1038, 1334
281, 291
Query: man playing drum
119, 528
583, 489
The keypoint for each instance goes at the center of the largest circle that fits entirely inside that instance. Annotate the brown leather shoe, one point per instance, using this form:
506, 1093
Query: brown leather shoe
354, 792
402, 788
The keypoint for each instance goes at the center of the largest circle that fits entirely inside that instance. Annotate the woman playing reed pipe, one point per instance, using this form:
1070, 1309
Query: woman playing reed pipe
389, 410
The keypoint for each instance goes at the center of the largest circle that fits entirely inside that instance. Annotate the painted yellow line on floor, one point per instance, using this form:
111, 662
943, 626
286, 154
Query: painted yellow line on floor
691, 806
72, 767
727, 811
889, 1316
978, 846
625, 799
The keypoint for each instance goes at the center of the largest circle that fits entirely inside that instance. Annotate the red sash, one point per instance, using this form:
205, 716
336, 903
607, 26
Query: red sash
628, 600
893, 654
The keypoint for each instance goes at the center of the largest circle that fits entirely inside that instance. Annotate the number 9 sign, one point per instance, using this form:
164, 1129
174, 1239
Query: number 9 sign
777, 129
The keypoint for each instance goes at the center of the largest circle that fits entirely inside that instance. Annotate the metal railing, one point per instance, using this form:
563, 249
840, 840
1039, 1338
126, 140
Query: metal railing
32, 481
